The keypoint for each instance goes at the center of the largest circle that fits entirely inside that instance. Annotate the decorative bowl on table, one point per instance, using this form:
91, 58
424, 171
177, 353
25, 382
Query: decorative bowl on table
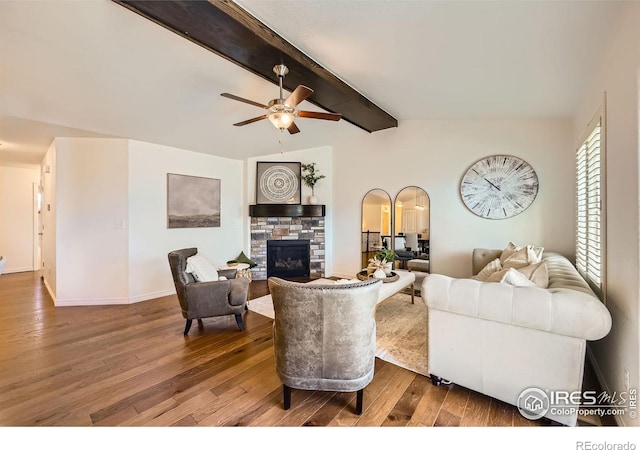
362, 275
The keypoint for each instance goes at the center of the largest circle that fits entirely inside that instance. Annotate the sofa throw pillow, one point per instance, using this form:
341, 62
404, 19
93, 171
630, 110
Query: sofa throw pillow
538, 273
511, 248
488, 270
515, 278
201, 268
520, 258
535, 253
496, 277
242, 258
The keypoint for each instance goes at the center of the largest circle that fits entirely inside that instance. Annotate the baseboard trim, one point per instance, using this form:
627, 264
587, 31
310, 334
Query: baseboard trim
112, 301
91, 301
602, 381
51, 294
151, 296
17, 270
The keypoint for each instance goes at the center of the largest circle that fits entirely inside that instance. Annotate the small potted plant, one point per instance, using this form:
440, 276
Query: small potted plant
377, 268
387, 255
310, 176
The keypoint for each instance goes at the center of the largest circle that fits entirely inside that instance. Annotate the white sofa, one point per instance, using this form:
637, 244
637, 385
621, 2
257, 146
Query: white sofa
499, 340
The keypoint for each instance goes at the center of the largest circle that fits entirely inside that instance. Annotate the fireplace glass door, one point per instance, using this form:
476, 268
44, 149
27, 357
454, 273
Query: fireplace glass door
288, 258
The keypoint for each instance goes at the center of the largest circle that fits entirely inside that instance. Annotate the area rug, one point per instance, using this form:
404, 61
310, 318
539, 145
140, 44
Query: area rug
401, 330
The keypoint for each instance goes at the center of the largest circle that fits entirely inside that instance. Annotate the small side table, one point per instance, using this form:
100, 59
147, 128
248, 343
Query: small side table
243, 270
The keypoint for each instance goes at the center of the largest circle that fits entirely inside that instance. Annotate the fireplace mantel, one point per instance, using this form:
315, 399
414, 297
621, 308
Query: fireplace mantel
284, 210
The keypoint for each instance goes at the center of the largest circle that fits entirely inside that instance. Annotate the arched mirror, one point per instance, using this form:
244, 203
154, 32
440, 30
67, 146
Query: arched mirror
376, 223
411, 229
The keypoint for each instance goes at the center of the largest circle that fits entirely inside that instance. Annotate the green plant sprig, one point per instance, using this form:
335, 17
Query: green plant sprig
386, 254
310, 175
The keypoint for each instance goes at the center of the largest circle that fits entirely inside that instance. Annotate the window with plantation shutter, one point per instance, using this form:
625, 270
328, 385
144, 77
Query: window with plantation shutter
589, 208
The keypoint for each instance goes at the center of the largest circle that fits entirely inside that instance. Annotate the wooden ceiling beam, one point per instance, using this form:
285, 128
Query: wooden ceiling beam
228, 30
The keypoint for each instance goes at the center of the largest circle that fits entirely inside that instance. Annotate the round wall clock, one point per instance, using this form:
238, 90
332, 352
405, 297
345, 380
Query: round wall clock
499, 187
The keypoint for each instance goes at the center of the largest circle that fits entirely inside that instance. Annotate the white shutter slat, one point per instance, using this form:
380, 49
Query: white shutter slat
588, 208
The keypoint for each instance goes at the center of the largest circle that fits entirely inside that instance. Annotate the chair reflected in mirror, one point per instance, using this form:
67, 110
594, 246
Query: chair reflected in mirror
411, 243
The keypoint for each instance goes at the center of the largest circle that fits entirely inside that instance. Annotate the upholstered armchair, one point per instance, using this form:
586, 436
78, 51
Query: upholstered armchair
203, 299
324, 336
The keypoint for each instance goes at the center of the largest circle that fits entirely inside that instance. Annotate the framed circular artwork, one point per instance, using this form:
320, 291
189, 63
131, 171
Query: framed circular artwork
278, 183
499, 187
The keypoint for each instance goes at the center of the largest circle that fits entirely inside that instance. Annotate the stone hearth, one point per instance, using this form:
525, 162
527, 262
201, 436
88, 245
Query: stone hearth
264, 229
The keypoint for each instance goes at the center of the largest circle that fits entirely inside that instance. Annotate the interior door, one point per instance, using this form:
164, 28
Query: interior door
40, 229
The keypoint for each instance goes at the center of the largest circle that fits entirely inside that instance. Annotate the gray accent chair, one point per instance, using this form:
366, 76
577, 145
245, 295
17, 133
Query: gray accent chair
324, 335
199, 300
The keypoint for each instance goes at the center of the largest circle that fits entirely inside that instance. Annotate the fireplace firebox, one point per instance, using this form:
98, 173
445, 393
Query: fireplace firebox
288, 258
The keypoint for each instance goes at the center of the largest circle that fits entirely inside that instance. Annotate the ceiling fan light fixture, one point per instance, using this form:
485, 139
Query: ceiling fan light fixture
282, 111
281, 120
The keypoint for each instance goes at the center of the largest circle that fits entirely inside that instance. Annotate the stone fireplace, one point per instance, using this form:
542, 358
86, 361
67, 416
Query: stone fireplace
298, 223
288, 258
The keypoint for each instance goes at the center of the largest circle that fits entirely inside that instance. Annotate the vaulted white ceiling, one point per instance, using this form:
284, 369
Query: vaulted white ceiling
71, 68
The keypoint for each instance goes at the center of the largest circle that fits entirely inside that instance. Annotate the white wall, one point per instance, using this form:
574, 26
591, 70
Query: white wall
619, 77
149, 238
324, 191
106, 236
434, 155
17, 217
91, 200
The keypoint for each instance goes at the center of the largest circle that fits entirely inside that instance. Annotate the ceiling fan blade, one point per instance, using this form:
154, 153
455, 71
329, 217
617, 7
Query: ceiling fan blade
301, 93
293, 128
319, 115
244, 100
247, 122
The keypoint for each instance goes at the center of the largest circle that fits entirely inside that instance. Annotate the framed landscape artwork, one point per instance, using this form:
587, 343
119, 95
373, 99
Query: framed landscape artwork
278, 183
192, 202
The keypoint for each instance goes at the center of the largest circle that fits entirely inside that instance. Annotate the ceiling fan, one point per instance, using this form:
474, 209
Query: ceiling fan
282, 112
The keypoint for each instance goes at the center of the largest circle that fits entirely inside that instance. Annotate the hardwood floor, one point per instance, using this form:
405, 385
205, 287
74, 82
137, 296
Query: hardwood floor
130, 365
